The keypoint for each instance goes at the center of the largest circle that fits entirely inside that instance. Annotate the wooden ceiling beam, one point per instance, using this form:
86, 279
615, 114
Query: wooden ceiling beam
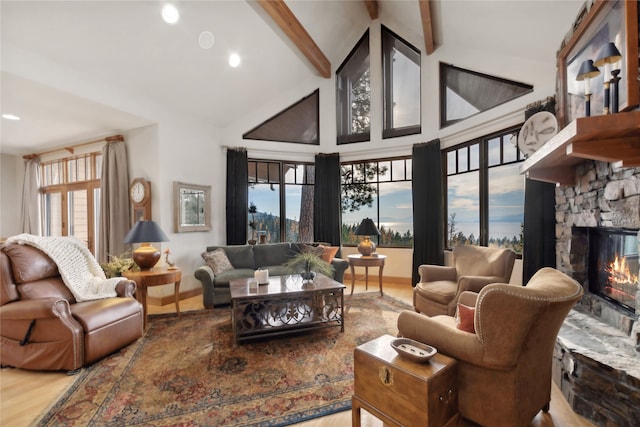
427, 26
372, 8
289, 24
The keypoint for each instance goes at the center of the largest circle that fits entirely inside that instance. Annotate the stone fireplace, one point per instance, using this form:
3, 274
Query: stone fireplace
597, 358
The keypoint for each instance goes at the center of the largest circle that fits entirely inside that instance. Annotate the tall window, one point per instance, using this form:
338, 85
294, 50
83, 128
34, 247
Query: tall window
353, 95
401, 82
276, 187
71, 197
485, 192
380, 190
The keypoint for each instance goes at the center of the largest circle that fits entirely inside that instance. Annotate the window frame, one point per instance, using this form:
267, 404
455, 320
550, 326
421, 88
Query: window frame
280, 180
377, 183
65, 185
344, 135
388, 130
483, 176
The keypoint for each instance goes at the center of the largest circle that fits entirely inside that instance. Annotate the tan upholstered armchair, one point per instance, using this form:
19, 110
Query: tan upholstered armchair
473, 268
42, 327
504, 367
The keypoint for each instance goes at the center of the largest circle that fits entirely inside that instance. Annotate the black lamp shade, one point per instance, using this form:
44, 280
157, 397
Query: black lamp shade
144, 232
609, 54
367, 228
587, 70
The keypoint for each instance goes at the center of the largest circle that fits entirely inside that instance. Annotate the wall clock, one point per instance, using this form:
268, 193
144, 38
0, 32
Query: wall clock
140, 196
536, 131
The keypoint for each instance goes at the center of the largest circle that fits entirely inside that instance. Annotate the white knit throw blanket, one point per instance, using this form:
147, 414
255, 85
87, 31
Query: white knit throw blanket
79, 269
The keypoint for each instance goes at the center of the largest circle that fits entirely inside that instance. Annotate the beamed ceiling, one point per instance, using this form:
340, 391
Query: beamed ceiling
75, 71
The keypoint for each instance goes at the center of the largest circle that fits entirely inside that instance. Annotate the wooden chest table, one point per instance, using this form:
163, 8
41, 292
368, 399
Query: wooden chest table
401, 392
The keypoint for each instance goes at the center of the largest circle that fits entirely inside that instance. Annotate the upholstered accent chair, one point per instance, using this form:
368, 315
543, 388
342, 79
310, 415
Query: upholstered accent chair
504, 366
473, 268
42, 327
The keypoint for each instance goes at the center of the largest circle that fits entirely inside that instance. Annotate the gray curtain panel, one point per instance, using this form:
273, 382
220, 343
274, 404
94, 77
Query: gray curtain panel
114, 201
428, 206
237, 196
30, 197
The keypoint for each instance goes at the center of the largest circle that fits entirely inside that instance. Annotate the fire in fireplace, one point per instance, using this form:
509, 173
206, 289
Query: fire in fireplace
613, 265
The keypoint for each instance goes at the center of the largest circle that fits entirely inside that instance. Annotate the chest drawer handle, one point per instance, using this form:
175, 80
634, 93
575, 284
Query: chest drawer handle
385, 375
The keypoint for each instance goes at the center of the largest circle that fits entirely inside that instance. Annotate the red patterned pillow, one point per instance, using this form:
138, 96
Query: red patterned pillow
464, 318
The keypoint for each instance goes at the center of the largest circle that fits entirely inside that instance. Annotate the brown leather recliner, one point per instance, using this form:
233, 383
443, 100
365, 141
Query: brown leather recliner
42, 327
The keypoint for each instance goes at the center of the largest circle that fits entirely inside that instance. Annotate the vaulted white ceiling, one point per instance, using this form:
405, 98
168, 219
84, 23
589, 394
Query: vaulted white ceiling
66, 65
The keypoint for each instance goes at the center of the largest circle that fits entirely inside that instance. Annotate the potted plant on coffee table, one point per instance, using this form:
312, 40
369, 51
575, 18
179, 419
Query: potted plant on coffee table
307, 264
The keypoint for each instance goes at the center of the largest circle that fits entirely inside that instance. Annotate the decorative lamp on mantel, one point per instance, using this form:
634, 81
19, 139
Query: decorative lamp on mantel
145, 232
367, 228
586, 72
610, 57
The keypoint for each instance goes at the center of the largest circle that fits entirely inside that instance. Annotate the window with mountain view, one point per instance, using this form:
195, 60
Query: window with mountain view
485, 192
353, 95
276, 187
380, 190
401, 86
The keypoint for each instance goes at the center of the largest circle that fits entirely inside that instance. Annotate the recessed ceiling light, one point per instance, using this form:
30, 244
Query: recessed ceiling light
206, 40
234, 60
170, 14
10, 117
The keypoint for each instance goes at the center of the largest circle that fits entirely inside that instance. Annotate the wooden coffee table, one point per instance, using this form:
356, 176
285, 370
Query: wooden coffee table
285, 305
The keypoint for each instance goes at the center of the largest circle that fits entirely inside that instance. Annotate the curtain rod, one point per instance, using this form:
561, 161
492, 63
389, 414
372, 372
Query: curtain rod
71, 148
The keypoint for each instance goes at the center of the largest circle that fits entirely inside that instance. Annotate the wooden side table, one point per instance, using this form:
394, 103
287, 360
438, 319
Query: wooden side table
401, 392
359, 260
155, 277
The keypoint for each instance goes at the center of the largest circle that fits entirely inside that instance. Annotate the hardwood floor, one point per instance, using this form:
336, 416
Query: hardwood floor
25, 395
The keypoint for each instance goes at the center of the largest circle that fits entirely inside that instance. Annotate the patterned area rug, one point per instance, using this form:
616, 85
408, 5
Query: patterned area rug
186, 371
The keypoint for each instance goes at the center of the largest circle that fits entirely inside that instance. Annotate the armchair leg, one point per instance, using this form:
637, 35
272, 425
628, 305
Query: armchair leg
545, 408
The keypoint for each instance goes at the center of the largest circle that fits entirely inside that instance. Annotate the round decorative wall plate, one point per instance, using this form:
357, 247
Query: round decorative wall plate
536, 131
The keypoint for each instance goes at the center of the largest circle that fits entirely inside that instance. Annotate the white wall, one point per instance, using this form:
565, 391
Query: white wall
10, 196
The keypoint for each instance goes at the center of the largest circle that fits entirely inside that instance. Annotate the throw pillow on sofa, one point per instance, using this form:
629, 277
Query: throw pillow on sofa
329, 253
465, 318
218, 261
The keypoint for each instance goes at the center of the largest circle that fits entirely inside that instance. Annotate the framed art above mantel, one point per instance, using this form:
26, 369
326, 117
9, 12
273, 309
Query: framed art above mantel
607, 21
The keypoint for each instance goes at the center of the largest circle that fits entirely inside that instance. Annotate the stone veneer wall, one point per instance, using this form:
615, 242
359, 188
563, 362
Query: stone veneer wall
604, 196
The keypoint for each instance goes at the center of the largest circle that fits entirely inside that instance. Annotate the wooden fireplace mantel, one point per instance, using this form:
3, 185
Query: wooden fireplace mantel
609, 138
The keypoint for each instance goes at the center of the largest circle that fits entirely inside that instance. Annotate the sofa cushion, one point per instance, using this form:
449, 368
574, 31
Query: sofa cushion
442, 291
240, 256
46, 288
218, 261
272, 254
238, 273
29, 263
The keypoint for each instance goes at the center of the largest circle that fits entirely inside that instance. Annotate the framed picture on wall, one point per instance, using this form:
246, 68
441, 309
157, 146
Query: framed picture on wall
606, 21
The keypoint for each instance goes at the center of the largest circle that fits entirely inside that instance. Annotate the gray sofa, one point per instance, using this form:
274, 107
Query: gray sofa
245, 260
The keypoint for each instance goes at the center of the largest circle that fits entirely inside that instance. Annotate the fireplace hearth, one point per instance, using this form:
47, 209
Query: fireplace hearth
597, 355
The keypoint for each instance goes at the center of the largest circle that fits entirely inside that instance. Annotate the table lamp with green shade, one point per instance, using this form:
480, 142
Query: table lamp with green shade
145, 232
367, 228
